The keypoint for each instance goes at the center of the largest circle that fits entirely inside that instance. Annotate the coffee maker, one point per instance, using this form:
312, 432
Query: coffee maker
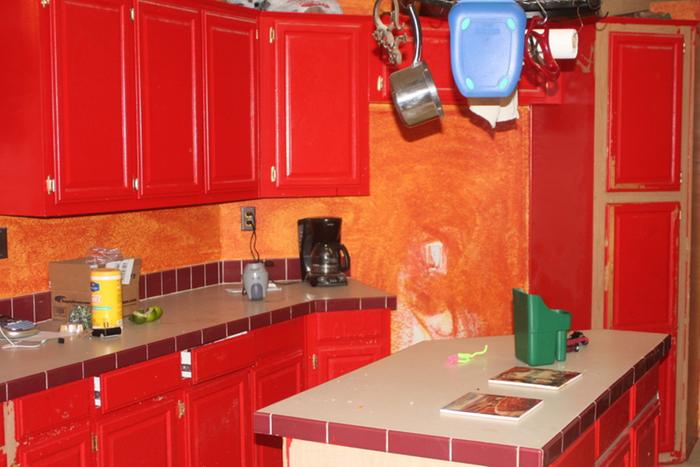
322, 257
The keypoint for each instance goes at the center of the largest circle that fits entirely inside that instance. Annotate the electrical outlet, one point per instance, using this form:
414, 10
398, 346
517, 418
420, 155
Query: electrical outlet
3, 242
247, 218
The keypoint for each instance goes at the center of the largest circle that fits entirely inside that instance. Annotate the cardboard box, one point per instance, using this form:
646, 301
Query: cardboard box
69, 282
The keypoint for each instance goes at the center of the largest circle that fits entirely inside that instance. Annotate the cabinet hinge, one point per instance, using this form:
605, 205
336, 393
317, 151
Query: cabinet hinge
45, 3
272, 35
94, 443
314, 361
50, 185
273, 174
132, 14
180, 409
135, 183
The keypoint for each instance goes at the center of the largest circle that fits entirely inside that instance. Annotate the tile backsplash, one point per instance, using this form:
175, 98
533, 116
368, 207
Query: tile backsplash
37, 306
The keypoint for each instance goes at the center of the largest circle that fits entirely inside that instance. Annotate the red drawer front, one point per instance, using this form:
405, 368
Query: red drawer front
45, 410
281, 337
613, 422
646, 389
350, 324
139, 382
222, 357
581, 453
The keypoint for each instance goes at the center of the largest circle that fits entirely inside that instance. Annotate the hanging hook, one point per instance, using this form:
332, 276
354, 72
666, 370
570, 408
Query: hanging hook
544, 12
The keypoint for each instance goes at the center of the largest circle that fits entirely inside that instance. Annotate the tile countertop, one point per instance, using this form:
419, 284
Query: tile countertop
190, 318
394, 404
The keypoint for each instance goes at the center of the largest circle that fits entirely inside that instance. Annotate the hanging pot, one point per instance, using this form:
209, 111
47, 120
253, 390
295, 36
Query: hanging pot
413, 89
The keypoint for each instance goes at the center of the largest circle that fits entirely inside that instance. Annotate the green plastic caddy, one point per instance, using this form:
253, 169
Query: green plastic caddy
540, 332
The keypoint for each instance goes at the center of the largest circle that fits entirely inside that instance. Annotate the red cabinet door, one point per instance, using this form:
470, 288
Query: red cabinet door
170, 106
231, 107
645, 438
219, 431
332, 361
147, 434
314, 131
275, 378
645, 114
620, 456
93, 64
70, 446
642, 266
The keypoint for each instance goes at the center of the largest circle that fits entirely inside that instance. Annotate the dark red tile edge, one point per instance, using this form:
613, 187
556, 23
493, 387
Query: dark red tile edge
493, 455
26, 385
415, 444
188, 340
169, 281
3, 392
99, 365
142, 286
280, 315
391, 303
42, 306
301, 428
338, 304
570, 433
211, 273
355, 436
368, 303
318, 306
301, 309
587, 417
552, 449
131, 356
23, 307
64, 374
602, 403
213, 333
184, 278
238, 326
6, 306
197, 276
154, 284
261, 423
232, 271
161, 348
260, 321
528, 457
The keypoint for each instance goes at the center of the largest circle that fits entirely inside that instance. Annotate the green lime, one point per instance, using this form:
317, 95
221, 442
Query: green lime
137, 317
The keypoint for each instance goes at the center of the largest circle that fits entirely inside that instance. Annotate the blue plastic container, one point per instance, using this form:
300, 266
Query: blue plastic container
486, 46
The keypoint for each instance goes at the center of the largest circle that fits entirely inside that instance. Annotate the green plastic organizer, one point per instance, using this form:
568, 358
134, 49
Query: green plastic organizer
540, 332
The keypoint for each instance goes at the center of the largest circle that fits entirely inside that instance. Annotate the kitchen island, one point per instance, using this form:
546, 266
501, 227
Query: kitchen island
388, 413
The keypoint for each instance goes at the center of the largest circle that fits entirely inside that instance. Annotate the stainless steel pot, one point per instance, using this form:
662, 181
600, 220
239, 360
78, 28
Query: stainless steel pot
413, 89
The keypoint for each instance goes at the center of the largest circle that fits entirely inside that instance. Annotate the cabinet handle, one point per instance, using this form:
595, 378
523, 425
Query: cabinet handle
135, 183
380, 83
180, 409
314, 361
95, 445
45, 3
50, 185
272, 35
132, 14
273, 174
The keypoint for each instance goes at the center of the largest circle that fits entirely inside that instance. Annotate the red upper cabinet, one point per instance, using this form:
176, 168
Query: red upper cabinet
170, 105
93, 65
645, 111
314, 128
230, 82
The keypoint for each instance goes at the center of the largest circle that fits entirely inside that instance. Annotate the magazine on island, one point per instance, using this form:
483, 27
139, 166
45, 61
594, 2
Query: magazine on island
475, 404
536, 377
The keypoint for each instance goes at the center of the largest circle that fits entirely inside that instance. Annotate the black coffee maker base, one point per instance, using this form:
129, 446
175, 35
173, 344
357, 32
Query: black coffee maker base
327, 281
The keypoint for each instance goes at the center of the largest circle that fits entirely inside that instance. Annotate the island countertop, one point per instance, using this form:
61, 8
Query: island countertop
190, 318
393, 405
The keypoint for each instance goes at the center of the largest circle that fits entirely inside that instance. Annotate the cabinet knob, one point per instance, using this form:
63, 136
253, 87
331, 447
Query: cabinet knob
135, 183
380, 83
273, 174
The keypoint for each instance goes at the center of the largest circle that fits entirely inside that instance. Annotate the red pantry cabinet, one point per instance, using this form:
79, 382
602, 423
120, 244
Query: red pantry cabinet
314, 110
118, 105
610, 195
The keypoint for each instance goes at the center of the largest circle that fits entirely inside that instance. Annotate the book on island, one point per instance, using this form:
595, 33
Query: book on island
542, 378
493, 406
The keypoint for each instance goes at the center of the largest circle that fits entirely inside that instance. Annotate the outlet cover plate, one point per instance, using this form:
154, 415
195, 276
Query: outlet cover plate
247, 212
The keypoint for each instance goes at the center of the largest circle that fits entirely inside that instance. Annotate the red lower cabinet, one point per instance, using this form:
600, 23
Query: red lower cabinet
620, 456
71, 447
645, 437
581, 453
275, 378
147, 434
219, 429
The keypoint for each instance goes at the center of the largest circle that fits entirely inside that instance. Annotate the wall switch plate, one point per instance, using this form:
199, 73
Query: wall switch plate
3, 242
247, 218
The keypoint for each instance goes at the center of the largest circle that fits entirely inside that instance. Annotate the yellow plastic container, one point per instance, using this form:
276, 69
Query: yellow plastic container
106, 299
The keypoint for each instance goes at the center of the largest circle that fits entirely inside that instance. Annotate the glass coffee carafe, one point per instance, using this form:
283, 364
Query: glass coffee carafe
328, 262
